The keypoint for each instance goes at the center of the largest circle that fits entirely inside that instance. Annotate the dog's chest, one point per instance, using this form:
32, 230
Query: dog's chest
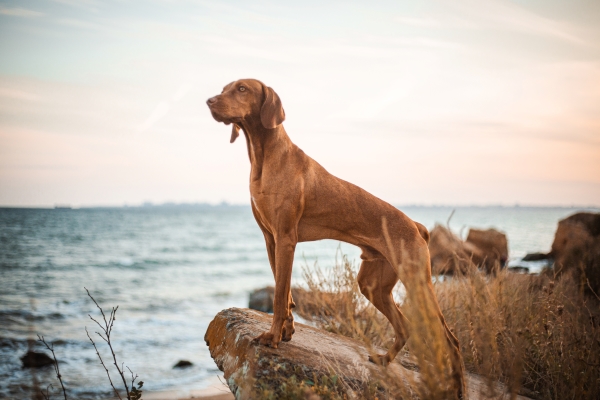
266, 204
261, 213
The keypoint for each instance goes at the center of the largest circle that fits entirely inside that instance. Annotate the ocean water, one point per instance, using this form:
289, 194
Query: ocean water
170, 270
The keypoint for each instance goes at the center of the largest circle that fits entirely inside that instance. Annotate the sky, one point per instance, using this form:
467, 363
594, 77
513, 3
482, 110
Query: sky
467, 102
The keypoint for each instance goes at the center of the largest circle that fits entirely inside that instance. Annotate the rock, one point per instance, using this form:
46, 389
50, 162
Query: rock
486, 249
313, 356
489, 248
262, 299
447, 252
183, 364
32, 359
536, 257
519, 269
576, 249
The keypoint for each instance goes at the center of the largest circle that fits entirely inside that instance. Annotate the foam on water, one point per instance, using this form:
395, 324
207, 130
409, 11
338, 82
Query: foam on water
170, 270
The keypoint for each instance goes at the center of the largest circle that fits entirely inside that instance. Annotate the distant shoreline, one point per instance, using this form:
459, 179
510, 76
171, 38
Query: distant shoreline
67, 207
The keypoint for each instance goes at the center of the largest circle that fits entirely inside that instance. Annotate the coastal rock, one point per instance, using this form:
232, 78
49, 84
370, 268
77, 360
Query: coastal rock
262, 299
576, 249
183, 364
313, 359
536, 256
33, 359
489, 248
447, 252
486, 249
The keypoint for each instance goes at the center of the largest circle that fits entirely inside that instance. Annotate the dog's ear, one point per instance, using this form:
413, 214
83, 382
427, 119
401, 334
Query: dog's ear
271, 113
235, 132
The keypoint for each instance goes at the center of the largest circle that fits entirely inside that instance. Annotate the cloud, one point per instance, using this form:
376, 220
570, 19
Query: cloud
20, 12
419, 22
510, 16
160, 111
164, 107
77, 23
17, 94
89, 5
182, 91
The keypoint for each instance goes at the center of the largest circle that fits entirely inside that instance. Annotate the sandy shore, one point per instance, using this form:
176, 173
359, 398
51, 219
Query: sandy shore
205, 394
216, 391
193, 395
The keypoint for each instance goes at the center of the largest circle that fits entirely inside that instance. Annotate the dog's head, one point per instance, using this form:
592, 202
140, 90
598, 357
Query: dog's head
247, 99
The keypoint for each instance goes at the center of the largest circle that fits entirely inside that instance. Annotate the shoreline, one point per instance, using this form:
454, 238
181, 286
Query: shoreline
216, 391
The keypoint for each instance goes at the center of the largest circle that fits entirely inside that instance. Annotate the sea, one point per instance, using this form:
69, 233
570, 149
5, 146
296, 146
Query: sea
170, 269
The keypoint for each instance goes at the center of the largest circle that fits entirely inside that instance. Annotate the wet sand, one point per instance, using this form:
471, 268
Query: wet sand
206, 394
197, 396
216, 391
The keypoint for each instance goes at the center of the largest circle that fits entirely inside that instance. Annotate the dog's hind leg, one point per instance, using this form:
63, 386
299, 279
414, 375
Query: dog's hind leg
376, 280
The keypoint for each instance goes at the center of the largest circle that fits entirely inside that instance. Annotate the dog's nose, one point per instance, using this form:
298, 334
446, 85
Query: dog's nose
212, 100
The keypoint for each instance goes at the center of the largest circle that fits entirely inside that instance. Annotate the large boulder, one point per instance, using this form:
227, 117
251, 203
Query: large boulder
447, 252
314, 363
486, 249
576, 249
489, 248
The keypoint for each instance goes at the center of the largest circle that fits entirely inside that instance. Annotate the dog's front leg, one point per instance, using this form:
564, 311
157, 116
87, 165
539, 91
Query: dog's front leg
285, 246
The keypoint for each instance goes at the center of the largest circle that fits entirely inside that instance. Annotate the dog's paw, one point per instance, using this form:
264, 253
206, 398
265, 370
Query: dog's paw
382, 360
287, 333
266, 339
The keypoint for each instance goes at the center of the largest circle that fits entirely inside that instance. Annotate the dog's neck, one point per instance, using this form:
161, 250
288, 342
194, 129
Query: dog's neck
261, 141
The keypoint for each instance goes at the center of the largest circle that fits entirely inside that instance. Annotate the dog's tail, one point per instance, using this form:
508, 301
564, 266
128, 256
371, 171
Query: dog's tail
423, 232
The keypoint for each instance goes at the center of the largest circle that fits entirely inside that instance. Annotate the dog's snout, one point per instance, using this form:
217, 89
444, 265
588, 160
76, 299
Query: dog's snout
212, 100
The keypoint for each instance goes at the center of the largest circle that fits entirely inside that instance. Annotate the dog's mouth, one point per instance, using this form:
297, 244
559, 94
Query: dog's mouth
218, 114
219, 118
221, 112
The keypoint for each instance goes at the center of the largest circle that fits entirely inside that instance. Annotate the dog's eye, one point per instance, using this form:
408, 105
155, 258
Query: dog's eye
242, 89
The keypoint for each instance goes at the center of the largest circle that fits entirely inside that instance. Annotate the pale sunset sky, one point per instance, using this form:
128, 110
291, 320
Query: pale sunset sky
467, 102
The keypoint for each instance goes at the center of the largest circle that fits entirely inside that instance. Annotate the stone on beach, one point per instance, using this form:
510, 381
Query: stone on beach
183, 364
262, 299
486, 249
313, 355
536, 257
446, 251
33, 359
576, 248
489, 248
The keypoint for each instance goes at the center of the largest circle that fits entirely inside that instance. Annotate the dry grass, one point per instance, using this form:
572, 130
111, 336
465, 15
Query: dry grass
527, 331
538, 335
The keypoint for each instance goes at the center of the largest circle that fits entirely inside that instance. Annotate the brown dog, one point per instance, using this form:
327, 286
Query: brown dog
294, 199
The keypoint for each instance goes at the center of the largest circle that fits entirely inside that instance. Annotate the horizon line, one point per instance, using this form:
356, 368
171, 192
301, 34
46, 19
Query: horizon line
66, 206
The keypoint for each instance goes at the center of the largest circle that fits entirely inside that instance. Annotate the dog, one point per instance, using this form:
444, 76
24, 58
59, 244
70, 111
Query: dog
294, 199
